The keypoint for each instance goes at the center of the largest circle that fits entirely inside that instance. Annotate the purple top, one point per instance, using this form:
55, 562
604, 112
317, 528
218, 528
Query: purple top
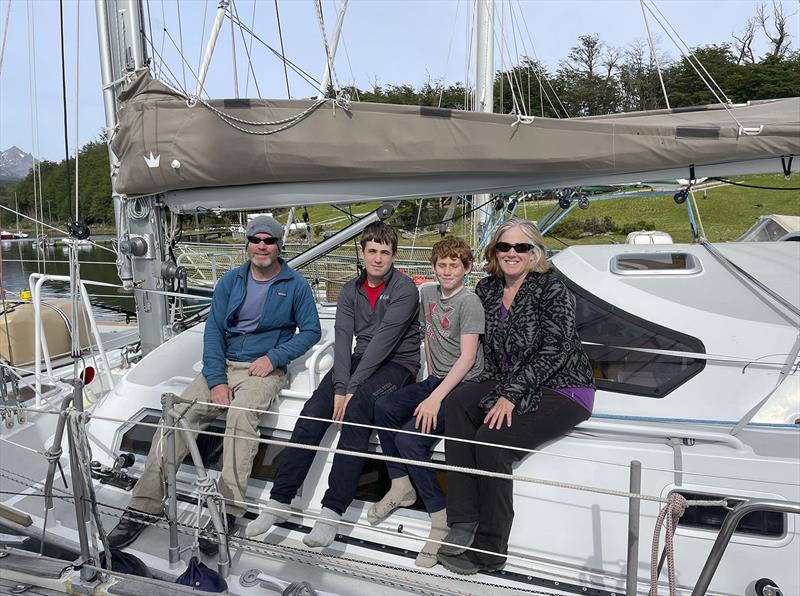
583, 396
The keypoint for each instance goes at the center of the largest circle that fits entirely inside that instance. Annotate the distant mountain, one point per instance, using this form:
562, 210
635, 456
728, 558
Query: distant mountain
15, 163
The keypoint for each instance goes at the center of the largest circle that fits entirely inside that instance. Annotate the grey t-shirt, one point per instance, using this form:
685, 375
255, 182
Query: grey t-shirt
444, 321
249, 315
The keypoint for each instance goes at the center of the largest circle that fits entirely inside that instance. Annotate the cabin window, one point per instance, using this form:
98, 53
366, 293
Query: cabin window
655, 263
611, 339
372, 486
767, 524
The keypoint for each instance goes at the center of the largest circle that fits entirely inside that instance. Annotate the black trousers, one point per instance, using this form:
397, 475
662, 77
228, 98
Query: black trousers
490, 501
346, 469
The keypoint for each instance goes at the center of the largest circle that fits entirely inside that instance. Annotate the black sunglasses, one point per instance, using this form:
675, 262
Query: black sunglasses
520, 248
269, 240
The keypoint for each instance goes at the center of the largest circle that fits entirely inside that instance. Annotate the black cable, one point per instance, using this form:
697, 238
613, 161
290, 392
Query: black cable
727, 181
283, 53
454, 218
64, 104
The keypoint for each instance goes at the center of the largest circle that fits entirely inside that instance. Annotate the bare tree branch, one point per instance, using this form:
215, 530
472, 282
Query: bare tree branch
743, 44
780, 38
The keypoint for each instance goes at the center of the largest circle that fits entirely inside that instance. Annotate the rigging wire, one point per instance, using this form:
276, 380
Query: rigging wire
247, 50
180, 37
64, 105
163, 39
310, 79
36, 174
233, 56
334, 83
691, 59
678, 35
150, 27
283, 52
541, 71
729, 181
202, 35
5, 36
653, 53
249, 47
350, 67
77, 100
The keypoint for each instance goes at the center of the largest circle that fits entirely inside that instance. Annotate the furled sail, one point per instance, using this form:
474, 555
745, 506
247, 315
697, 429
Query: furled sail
283, 152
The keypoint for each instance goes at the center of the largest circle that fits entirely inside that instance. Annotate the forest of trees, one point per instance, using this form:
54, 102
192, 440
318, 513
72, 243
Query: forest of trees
593, 79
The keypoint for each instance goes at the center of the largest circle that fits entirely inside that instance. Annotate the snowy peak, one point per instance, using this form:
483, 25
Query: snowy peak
15, 163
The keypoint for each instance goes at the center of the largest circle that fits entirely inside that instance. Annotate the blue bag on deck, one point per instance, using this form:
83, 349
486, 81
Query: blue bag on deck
123, 562
198, 575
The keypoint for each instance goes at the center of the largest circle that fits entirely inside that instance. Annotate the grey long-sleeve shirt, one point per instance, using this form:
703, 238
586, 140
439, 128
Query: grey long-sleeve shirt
389, 333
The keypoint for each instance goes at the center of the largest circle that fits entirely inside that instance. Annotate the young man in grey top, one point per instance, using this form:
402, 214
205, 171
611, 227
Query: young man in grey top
453, 320
380, 308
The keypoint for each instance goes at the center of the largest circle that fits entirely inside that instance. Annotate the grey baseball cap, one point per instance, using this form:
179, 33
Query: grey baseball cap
265, 224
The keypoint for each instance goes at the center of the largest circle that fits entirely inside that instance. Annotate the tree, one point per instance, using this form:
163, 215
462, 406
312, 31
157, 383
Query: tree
778, 35
586, 77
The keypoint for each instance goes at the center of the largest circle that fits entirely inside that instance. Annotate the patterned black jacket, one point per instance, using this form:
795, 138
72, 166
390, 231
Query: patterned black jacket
540, 339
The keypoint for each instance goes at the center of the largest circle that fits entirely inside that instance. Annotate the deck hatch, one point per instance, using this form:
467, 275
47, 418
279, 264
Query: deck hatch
655, 263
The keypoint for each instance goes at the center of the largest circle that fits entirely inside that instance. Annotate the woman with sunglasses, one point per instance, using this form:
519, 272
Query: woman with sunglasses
537, 385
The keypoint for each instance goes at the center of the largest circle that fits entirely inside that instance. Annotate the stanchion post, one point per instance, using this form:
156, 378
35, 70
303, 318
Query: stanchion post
634, 508
167, 403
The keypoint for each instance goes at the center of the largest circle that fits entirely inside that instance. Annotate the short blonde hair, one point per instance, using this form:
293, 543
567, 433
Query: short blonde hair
539, 261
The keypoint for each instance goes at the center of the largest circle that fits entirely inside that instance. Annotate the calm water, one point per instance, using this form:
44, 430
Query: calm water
20, 260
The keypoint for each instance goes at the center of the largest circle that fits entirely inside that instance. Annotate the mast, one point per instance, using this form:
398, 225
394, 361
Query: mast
139, 221
484, 94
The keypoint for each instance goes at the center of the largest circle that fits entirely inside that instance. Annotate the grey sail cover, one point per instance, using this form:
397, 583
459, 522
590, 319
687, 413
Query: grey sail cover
326, 152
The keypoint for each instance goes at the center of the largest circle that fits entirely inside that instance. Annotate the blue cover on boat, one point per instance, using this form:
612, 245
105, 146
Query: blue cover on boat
125, 563
200, 576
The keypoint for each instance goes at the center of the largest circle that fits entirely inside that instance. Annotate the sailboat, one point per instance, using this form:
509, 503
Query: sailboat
694, 348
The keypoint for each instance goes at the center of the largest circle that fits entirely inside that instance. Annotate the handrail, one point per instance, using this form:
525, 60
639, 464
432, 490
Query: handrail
661, 432
312, 364
729, 525
36, 280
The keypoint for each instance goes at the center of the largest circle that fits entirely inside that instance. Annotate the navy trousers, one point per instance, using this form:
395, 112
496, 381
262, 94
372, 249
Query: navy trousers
346, 469
396, 411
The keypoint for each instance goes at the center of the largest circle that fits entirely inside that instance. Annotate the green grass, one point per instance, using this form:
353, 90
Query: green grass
726, 212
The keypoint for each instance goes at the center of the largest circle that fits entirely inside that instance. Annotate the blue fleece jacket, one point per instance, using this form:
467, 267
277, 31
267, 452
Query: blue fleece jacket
289, 307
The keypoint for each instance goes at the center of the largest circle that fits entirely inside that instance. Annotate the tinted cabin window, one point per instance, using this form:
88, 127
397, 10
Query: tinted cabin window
621, 369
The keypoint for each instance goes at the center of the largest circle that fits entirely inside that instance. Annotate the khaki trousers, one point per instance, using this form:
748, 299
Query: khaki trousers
237, 454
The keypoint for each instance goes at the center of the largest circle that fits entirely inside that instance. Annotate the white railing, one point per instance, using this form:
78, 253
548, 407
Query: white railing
36, 281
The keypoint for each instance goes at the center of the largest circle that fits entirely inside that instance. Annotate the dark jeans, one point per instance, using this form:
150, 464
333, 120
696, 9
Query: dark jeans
346, 469
490, 501
396, 411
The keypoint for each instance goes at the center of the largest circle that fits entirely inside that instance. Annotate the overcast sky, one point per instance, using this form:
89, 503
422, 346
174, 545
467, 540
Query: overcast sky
384, 41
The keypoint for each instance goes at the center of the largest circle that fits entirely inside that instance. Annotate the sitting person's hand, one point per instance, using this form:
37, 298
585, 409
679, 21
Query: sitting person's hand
501, 410
339, 406
260, 367
426, 413
221, 395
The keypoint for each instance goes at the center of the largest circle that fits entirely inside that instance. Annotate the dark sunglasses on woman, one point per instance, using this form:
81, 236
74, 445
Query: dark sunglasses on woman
269, 240
520, 248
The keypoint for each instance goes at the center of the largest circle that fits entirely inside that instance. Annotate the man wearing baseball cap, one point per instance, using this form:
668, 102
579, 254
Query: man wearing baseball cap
262, 316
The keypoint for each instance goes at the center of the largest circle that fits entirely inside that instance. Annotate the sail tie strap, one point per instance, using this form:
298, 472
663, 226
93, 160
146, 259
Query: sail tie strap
670, 514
